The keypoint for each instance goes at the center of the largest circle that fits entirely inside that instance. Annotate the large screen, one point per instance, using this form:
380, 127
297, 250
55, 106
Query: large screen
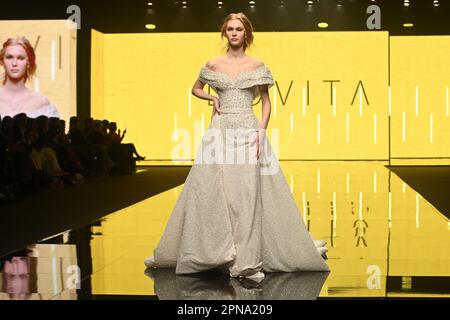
51, 89
337, 95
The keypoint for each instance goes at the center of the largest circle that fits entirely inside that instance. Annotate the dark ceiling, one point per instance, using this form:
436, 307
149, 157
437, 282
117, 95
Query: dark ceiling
131, 16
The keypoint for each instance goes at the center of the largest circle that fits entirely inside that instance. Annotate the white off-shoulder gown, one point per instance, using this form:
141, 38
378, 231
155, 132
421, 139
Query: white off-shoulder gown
236, 216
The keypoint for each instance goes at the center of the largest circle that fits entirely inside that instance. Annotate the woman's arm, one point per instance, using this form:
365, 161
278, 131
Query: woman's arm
264, 121
197, 90
266, 106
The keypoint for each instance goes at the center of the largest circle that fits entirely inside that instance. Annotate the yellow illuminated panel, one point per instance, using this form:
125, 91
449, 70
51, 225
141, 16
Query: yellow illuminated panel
97, 76
420, 84
327, 103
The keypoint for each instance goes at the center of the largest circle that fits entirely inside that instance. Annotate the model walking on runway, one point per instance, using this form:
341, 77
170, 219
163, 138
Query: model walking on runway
237, 215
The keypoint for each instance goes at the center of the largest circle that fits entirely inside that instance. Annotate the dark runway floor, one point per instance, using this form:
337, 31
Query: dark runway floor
387, 230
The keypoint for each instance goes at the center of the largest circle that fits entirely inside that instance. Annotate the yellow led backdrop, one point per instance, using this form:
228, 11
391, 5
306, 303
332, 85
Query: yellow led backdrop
55, 47
143, 82
420, 80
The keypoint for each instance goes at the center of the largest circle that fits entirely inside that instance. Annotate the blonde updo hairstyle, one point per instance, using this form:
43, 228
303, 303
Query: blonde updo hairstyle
248, 28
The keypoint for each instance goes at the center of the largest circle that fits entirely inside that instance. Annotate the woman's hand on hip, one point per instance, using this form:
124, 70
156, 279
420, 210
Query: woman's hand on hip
216, 103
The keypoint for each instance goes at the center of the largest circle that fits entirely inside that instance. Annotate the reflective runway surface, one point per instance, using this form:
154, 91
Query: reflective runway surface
384, 239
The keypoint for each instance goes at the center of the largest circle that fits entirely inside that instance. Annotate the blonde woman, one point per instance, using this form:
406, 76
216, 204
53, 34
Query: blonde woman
237, 217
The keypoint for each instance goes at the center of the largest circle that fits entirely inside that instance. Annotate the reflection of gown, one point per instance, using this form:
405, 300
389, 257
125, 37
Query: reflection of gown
210, 286
236, 217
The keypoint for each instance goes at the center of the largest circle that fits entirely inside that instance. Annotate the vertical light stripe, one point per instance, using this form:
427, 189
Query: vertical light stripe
292, 122
390, 100
53, 62
347, 184
274, 101
360, 205
417, 100
304, 207
37, 85
334, 214
417, 211
375, 182
189, 103
175, 125
390, 209
318, 181
334, 101
431, 127
318, 128
54, 270
176, 191
404, 127
304, 101
292, 183
360, 103
347, 127
404, 188
375, 128
447, 111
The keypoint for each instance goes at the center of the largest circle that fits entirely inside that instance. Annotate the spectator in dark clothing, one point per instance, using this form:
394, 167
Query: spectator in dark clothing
116, 138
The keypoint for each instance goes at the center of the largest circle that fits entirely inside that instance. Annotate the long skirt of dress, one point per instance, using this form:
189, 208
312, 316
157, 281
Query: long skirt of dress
237, 215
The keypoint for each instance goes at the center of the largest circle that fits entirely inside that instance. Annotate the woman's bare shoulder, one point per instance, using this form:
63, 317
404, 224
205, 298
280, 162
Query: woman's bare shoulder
213, 62
257, 62
39, 100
